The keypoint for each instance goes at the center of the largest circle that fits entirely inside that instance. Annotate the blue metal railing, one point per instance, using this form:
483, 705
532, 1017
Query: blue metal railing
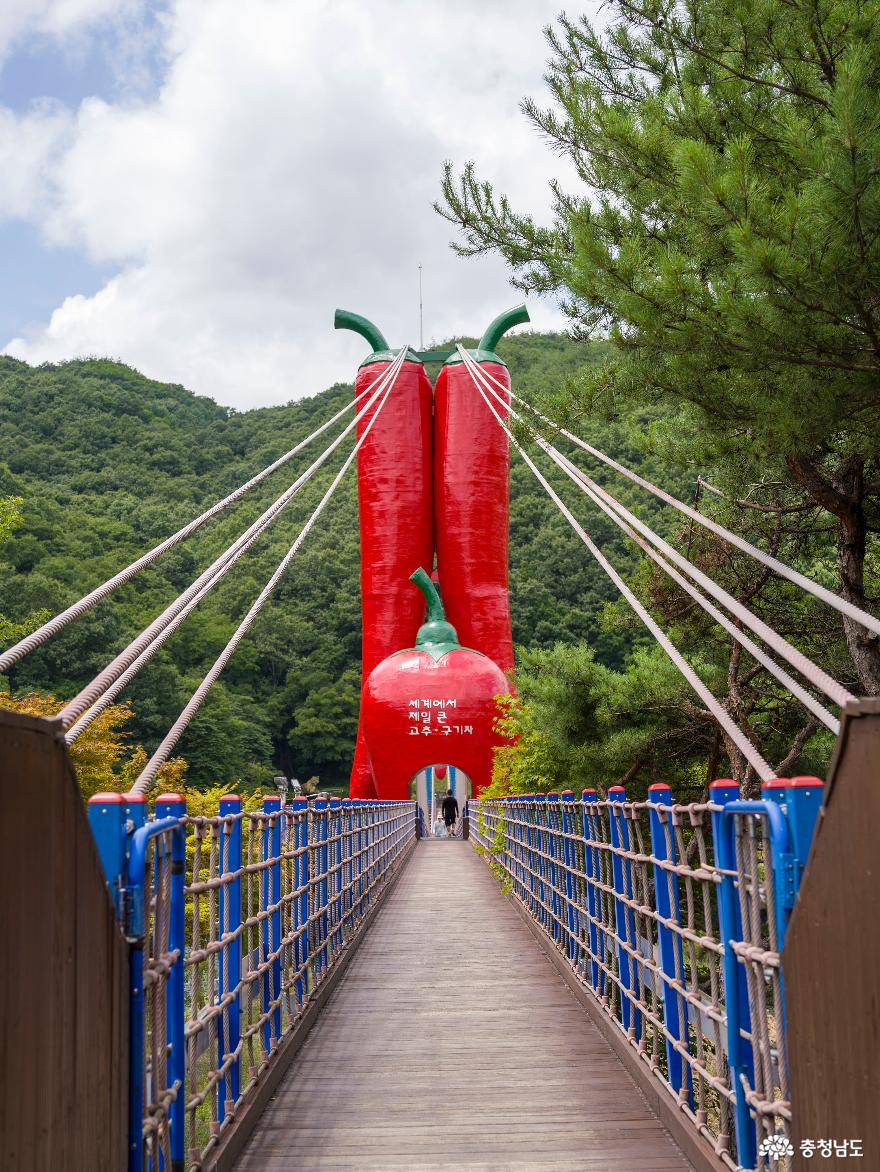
233, 921
674, 917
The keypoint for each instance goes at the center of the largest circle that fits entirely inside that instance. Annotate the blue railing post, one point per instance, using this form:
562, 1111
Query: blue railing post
739, 1050
515, 814
334, 831
346, 874
624, 918
553, 825
272, 923
229, 957
799, 799
300, 815
805, 795
540, 815
590, 814
174, 806
570, 859
106, 812
671, 952
135, 922
320, 808
357, 816
530, 819
135, 815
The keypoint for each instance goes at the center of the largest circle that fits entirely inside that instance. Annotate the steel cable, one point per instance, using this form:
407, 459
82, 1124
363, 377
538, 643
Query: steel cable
148, 774
627, 521
869, 621
723, 717
36, 638
810, 702
213, 574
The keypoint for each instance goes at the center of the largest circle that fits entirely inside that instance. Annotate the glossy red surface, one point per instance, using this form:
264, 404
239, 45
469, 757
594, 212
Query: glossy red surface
417, 710
471, 506
396, 525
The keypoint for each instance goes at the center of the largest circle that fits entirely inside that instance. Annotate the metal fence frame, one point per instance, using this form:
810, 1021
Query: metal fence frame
673, 918
234, 923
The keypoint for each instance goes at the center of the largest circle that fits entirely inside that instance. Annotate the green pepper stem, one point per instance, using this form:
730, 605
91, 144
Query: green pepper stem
344, 319
502, 323
435, 611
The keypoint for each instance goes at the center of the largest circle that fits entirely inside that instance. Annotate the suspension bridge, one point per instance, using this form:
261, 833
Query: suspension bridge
577, 981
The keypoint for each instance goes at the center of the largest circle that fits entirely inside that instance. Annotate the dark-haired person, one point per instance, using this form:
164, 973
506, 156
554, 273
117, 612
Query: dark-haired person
450, 812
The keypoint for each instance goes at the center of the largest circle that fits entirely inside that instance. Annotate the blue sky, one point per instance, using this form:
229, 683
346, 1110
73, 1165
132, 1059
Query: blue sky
35, 278
36, 275
193, 187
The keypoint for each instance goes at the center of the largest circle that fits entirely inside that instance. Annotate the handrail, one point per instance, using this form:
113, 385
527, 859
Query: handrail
272, 899
674, 923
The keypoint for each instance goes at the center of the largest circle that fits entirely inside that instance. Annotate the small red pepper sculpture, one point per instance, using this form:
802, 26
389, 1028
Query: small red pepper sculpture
433, 702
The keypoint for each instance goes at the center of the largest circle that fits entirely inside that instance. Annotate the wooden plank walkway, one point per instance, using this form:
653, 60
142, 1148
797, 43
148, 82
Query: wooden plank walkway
451, 1042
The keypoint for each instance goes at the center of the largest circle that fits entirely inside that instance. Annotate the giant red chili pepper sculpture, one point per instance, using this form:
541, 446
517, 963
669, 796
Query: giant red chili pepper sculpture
433, 702
471, 495
396, 515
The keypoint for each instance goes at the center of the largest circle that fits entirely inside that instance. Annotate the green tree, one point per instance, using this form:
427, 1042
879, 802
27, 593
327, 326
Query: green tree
101, 756
11, 519
727, 238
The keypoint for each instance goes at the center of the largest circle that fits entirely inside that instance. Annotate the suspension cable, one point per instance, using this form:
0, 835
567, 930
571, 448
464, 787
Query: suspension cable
213, 574
52, 626
161, 754
869, 621
761, 767
77, 729
811, 671
809, 702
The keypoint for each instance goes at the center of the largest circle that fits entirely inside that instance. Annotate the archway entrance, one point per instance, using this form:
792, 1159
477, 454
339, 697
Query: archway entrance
429, 787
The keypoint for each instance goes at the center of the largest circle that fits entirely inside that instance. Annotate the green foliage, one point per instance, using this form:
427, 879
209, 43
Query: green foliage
579, 724
107, 463
726, 237
10, 520
101, 756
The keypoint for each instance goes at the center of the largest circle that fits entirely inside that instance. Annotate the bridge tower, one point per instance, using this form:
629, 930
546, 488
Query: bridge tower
433, 483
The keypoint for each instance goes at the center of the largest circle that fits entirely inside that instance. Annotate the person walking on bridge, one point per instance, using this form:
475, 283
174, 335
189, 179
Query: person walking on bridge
450, 812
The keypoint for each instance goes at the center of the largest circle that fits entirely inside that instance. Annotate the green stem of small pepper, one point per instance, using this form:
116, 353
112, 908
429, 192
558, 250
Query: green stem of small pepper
435, 632
435, 611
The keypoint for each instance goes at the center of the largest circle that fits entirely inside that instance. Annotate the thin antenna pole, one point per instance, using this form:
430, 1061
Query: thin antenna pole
421, 320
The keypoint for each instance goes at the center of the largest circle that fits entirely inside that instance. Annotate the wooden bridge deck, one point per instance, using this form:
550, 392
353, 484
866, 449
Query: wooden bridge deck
451, 1042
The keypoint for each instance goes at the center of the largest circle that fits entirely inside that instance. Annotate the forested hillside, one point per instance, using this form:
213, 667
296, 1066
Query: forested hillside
107, 463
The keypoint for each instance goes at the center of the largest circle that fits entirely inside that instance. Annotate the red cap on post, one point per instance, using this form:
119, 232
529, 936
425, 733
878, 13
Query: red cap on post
106, 798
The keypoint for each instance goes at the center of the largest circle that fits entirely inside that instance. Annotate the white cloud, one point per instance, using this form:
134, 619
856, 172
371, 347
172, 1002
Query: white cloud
29, 148
288, 164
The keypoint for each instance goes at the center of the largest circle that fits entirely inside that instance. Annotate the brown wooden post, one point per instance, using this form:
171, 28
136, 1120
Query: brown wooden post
63, 968
831, 959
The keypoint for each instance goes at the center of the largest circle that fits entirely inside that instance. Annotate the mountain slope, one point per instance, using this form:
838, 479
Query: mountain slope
109, 463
